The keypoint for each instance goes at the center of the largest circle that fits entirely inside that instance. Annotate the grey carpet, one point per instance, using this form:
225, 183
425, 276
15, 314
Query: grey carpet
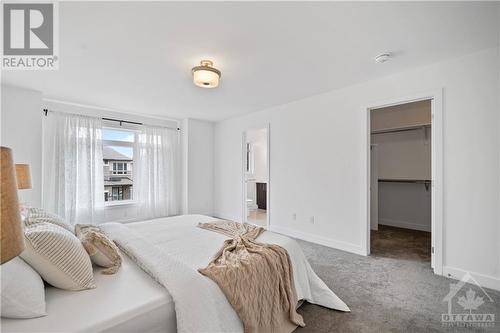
384, 294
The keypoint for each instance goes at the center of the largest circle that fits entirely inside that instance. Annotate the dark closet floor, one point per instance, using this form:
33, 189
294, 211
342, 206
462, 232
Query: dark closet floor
398, 243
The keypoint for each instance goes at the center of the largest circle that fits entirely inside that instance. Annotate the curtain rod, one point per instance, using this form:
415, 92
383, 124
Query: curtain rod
122, 121
46, 111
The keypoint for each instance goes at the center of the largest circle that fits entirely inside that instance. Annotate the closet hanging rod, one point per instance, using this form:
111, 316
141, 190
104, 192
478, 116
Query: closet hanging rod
415, 181
400, 129
46, 111
425, 182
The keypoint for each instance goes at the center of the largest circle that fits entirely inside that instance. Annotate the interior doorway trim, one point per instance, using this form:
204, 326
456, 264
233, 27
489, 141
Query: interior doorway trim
436, 97
267, 126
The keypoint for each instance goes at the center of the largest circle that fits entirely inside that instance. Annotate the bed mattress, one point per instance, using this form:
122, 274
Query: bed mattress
128, 301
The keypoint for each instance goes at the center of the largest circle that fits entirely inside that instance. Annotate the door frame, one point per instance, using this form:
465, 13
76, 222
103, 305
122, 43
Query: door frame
436, 97
268, 173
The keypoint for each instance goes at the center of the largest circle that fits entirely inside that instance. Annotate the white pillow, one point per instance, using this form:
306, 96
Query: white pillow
23, 292
58, 256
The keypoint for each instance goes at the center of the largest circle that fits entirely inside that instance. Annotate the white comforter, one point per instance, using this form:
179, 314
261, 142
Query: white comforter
172, 249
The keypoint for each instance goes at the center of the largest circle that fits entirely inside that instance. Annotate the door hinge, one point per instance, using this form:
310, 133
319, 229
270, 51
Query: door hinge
432, 249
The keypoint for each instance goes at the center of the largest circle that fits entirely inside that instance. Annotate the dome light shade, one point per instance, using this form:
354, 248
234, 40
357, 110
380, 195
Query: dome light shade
205, 75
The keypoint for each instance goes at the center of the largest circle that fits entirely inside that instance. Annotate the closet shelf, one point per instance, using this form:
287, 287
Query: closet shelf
401, 129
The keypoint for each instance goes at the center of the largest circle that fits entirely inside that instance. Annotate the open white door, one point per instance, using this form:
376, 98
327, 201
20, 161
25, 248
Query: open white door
373, 188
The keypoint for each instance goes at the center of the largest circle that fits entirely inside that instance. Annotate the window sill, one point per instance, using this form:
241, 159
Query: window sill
119, 203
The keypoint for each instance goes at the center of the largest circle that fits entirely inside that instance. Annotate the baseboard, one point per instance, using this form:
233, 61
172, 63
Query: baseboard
485, 281
405, 225
339, 245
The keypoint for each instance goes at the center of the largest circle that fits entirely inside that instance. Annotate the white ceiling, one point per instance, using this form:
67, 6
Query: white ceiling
137, 57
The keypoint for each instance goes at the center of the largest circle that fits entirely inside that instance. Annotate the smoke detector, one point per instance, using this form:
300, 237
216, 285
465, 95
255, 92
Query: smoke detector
381, 58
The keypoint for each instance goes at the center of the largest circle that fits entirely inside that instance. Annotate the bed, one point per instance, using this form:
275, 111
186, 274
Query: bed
133, 300
129, 301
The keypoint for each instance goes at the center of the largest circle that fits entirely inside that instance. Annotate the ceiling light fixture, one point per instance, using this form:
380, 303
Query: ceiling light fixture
381, 58
205, 75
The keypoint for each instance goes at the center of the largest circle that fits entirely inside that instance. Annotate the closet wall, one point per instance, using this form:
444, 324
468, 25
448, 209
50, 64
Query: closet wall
403, 157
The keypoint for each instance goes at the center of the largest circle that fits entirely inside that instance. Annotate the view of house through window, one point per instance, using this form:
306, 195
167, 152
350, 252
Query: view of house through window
118, 156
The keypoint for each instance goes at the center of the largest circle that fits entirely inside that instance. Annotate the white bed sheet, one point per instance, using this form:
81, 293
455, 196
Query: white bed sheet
128, 301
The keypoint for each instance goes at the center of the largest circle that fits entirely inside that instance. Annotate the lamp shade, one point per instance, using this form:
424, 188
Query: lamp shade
11, 229
23, 175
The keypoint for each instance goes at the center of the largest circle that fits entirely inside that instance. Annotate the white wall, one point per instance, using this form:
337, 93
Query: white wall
21, 123
198, 165
319, 161
404, 205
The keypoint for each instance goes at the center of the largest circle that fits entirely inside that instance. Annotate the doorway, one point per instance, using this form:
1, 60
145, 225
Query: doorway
256, 177
404, 180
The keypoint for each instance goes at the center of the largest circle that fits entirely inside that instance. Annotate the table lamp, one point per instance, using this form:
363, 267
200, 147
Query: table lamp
11, 229
23, 176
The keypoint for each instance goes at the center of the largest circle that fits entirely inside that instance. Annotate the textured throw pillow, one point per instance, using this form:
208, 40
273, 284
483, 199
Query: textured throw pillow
37, 215
102, 250
23, 292
58, 256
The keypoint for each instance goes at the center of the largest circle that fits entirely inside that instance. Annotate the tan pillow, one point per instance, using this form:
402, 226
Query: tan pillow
58, 256
102, 250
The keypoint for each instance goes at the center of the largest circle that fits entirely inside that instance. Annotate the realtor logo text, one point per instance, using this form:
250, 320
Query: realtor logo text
29, 36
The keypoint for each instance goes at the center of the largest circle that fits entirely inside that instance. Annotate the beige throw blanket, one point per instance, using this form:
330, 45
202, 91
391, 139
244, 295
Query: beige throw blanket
257, 279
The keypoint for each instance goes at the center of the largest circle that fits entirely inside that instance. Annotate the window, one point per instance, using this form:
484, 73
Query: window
118, 161
120, 168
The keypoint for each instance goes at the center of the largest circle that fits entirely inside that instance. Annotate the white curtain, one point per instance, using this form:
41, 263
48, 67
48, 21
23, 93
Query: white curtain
73, 182
155, 172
